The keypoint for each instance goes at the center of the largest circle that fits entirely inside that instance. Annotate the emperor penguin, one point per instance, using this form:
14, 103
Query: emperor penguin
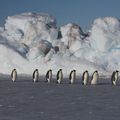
59, 76
14, 75
72, 76
49, 76
114, 77
85, 78
35, 75
95, 77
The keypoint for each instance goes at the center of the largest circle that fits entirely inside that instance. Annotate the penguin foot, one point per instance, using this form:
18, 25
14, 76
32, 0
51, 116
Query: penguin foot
82, 83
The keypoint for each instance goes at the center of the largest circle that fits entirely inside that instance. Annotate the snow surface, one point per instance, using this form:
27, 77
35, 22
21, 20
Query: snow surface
25, 100
32, 40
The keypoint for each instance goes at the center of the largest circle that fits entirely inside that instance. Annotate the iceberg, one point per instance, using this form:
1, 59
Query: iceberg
33, 40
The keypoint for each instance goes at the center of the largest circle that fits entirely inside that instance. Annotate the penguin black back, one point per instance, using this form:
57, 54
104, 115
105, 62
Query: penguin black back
58, 73
70, 76
47, 74
12, 72
83, 77
34, 72
84, 74
113, 76
94, 73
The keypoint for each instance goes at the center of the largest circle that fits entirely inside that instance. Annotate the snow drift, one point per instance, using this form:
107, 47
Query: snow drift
32, 40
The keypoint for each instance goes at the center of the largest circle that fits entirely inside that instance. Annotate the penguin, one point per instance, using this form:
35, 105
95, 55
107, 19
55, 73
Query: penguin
114, 77
59, 76
72, 76
49, 76
85, 78
95, 77
35, 75
14, 75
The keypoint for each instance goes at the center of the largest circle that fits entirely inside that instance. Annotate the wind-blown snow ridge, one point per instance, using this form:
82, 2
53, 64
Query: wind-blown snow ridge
32, 40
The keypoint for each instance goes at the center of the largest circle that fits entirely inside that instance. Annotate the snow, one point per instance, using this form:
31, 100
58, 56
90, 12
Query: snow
72, 37
32, 40
58, 102
27, 27
105, 34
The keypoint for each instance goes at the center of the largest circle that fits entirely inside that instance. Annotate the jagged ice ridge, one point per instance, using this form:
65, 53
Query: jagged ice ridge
33, 40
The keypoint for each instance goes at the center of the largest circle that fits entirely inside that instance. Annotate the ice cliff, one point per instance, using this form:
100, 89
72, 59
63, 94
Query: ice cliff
33, 40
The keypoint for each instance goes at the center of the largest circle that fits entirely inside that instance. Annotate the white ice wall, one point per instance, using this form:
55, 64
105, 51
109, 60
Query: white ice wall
29, 41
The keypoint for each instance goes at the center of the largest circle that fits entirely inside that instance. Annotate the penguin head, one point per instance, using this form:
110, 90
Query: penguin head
86, 71
36, 69
96, 71
60, 69
14, 69
117, 71
72, 71
50, 70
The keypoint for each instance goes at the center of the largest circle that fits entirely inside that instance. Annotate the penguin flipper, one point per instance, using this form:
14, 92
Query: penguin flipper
33, 74
57, 75
12, 74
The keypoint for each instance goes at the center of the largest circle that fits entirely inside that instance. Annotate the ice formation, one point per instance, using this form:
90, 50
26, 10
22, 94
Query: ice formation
32, 40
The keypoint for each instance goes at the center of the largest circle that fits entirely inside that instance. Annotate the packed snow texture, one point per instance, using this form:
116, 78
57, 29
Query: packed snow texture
32, 40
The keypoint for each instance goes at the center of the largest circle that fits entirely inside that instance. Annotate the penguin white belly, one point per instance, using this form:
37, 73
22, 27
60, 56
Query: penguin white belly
72, 78
36, 76
94, 80
85, 79
60, 78
14, 76
48, 80
114, 82
49, 77
116, 78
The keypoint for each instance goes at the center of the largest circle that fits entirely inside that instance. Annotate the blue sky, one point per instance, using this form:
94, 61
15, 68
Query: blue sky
81, 12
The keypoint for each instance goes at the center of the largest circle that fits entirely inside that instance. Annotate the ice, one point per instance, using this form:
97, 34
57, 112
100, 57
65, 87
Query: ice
58, 102
27, 27
32, 40
105, 33
72, 36
40, 48
49, 55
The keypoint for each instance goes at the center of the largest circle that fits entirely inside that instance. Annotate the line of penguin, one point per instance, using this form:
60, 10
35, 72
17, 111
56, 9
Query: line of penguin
72, 76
